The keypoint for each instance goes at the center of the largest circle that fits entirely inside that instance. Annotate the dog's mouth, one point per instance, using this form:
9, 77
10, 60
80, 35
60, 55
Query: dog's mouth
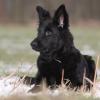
36, 49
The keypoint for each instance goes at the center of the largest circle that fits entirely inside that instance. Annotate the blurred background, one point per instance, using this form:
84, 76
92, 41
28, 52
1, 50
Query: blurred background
18, 27
23, 11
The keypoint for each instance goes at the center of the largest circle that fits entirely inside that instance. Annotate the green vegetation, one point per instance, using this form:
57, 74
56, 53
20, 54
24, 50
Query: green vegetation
86, 35
15, 42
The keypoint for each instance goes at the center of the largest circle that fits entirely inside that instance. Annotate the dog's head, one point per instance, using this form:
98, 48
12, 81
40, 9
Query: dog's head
49, 39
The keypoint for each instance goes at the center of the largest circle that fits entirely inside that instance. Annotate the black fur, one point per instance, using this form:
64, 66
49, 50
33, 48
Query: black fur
57, 51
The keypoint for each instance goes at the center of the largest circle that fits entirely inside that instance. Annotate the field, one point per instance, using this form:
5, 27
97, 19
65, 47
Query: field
15, 49
17, 56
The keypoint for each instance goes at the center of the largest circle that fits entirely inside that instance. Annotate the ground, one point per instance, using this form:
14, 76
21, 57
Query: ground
17, 57
12, 88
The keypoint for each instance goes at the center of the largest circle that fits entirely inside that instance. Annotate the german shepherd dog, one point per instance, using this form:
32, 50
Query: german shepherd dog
55, 43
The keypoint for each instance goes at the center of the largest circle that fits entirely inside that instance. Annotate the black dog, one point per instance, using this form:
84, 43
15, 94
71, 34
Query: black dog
57, 51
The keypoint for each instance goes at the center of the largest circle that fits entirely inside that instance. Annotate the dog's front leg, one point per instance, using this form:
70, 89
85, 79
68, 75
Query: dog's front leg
52, 83
37, 87
39, 76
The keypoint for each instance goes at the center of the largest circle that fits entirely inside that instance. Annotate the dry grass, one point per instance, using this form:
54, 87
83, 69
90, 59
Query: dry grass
45, 97
62, 93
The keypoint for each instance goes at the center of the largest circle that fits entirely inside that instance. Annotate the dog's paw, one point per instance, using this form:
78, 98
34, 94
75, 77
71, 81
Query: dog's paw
35, 89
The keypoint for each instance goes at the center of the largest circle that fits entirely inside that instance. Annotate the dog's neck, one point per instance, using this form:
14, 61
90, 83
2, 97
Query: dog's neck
64, 53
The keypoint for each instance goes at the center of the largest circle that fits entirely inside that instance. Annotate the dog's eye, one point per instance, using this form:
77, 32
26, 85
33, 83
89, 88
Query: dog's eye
48, 33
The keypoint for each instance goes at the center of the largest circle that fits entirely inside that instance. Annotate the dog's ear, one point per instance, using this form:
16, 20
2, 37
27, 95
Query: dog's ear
61, 18
43, 14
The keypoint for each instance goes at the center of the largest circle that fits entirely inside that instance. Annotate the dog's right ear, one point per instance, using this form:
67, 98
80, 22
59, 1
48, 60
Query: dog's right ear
43, 14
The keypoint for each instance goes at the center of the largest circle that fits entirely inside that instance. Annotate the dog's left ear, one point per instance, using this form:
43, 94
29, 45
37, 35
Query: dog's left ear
61, 17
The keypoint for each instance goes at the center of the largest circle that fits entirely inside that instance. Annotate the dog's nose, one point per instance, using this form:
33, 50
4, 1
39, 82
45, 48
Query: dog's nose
33, 44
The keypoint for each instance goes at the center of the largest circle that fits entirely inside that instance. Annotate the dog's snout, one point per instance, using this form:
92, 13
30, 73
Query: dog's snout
34, 43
